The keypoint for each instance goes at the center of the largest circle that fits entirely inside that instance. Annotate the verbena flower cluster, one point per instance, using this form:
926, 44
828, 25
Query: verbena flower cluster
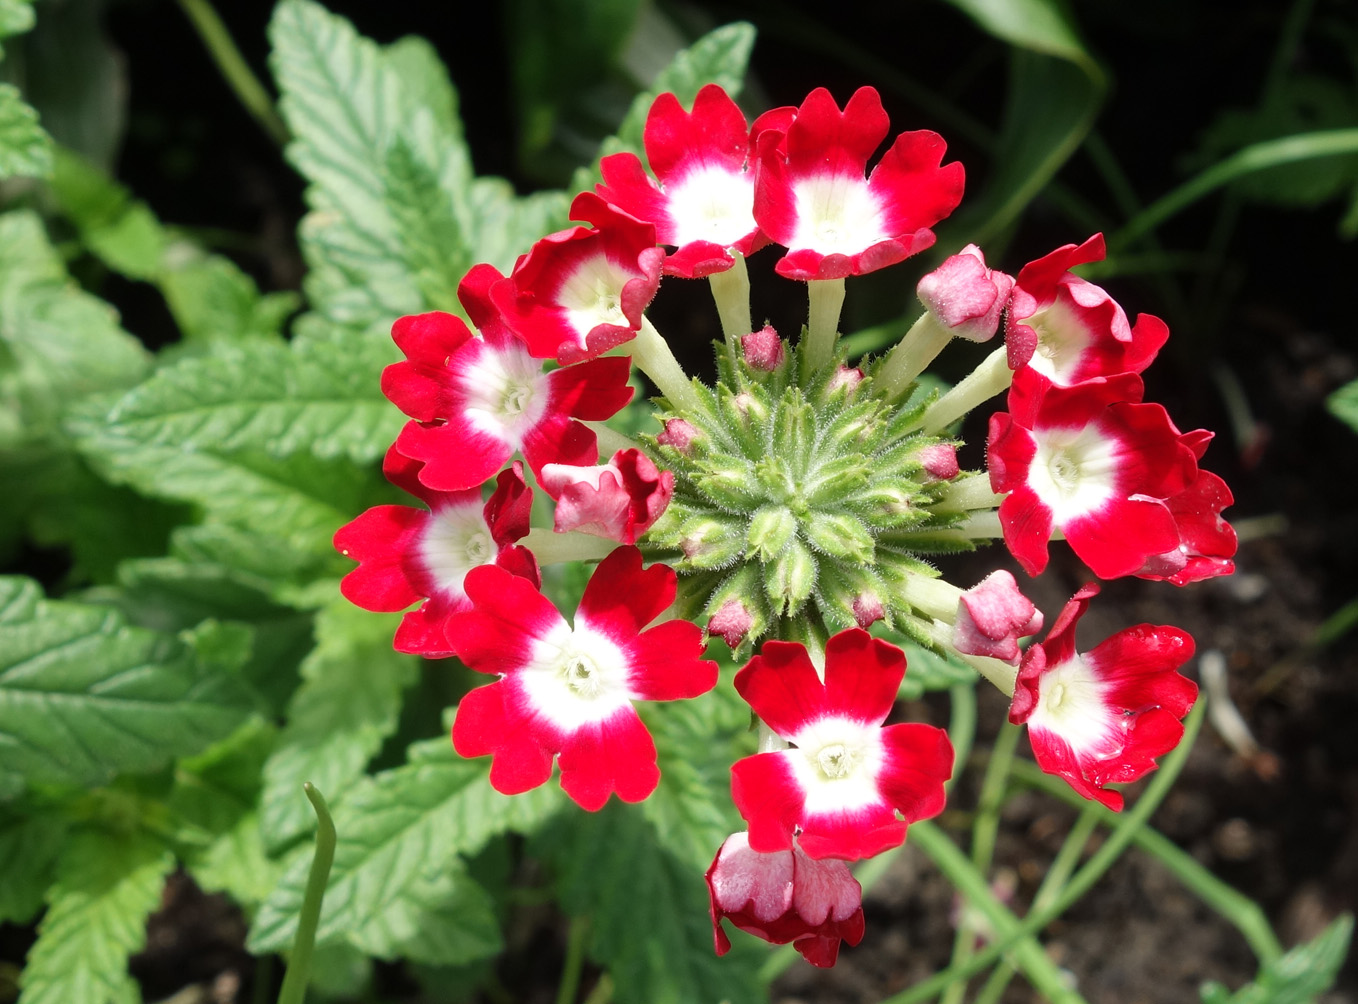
788, 508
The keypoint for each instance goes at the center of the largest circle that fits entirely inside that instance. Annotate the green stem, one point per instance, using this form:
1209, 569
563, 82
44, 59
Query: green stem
234, 68
910, 357
731, 291
825, 298
1234, 906
1044, 975
611, 440
961, 729
981, 384
1117, 842
569, 987
551, 548
653, 357
995, 986
603, 991
299, 966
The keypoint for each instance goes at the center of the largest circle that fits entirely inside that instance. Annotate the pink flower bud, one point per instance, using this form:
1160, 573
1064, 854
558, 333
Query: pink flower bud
940, 462
992, 616
679, 434
848, 378
867, 609
618, 500
763, 349
965, 296
732, 621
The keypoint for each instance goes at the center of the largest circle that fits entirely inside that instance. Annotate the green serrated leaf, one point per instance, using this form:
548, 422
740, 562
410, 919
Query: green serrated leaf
649, 912
436, 251
397, 834
107, 884
1299, 977
25, 147
1343, 404
348, 703
321, 398
504, 225
237, 864
83, 697
29, 847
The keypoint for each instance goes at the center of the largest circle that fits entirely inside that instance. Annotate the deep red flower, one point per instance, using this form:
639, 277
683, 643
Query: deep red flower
785, 896
406, 554
1069, 329
568, 690
1093, 462
811, 195
581, 291
618, 500
1102, 717
848, 786
702, 201
477, 400
1207, 543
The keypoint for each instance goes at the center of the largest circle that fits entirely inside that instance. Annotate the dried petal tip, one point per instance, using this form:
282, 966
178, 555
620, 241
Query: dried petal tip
992, 616
680, 434
732, 622
940, 462
785, 896
965, 296
763, 349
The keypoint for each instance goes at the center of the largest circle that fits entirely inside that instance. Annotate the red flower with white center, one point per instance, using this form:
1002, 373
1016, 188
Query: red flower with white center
848, 787
992, 616
1069, 329
618, 500
568, 690
1207, 543
476, 401
966, 297
579, 292
1103, 717
406, 554
1092, 462
702, 201
785, 897
811, 196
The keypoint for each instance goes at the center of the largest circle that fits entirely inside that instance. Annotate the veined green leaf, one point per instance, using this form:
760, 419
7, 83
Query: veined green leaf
29, 846
398, 833
648, 911
83, 696
25, 147
107, 884
1299, 977
348, 703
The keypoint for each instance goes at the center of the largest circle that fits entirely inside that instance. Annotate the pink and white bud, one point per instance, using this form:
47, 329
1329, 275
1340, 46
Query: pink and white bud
785, 896
965, 296
732, 622
940, 462
680, 434
992, 616
867, 609
848, 378
619, 500
763, 349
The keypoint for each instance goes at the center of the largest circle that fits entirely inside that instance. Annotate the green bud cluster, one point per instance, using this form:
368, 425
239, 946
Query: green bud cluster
803, 498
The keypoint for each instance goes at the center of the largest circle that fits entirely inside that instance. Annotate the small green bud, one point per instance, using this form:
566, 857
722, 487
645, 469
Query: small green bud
790, 579
794, 430
771, 527
710, 542
838, 481
729, 482
840, 535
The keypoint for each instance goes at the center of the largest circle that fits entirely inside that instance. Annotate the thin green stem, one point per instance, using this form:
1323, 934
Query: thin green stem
299, 966
569, 987
653, 357
1117, 842
234, 68
912, 355
825, 298
551, 548
961, 728
602, 992
1232, 905
991, 377
611, 440
731, 291
994, 987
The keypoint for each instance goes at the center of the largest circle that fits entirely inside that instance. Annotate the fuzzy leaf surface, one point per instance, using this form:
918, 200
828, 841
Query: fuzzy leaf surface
25, 147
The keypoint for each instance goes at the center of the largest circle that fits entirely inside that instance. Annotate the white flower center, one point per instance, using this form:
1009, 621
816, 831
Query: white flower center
712, 204
592, 295
1071, 704
836, 214
506, 393
1074, 471
1061, 342
836, 762
456, 539
576, 677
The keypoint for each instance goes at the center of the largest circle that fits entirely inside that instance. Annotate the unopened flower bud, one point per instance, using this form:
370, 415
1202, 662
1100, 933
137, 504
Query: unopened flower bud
708, 542
847, 379
840, 535
965, 296
679, 434
732, 622
619, 500
788, 582
992, 616
771, 527
867, 609
763, 349
940, 462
